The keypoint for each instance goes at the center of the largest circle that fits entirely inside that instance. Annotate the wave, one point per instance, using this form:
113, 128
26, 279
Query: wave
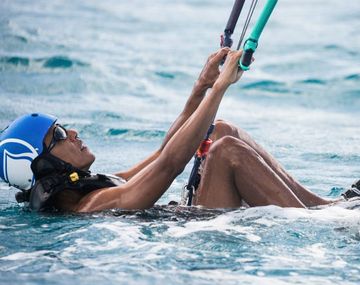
52, 62
342, 49
349, 77
16, 38
132, 134
268, 85
352, 77
164, 74
101, 115
61, 62
15, 60
313, 81
353, 158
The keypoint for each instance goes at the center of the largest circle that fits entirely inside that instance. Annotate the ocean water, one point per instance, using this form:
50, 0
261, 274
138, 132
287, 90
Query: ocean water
119, 72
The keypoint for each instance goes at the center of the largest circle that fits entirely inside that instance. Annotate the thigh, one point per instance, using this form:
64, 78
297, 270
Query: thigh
223, 128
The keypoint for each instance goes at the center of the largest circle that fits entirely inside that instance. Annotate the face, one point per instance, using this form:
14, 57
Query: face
71, 149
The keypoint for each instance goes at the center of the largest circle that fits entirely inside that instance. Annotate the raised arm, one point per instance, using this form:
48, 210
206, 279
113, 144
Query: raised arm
147, 186
206, 80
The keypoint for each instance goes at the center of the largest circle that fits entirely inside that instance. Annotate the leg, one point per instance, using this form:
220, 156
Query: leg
234, 171
223, 128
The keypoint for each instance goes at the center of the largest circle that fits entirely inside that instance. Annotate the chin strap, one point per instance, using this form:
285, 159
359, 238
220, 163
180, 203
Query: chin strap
46, 164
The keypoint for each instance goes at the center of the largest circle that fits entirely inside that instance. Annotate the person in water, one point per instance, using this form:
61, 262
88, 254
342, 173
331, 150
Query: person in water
236, 170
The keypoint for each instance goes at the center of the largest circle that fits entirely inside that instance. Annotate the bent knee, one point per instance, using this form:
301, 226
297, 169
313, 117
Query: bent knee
229, 147
223, 128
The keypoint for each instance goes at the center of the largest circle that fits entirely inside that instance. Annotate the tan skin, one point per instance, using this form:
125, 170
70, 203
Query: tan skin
237, 169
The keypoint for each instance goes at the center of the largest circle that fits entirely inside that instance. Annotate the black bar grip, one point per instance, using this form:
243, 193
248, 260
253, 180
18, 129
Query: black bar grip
210, 130
246, 57
234, 16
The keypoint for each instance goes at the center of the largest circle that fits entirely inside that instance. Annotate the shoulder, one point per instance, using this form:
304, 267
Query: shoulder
85, 199
67, 200
101, 199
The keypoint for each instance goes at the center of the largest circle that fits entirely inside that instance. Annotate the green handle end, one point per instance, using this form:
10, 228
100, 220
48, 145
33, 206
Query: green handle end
243, 67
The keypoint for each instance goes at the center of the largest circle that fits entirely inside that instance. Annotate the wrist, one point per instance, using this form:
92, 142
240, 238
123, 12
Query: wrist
221, 85
200, 86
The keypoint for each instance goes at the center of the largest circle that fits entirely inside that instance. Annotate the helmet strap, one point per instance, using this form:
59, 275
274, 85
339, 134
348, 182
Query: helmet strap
47, 164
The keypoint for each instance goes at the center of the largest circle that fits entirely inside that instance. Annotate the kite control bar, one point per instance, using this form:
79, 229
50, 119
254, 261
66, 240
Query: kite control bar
249, 48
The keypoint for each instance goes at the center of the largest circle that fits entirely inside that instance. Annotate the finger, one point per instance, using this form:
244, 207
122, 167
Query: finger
233, 57
233, 54
225, 49
220, 54
238, 54
212, 55
218, 51
229, 57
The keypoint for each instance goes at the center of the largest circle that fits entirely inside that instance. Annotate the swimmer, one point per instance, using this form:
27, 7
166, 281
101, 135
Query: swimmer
50, 164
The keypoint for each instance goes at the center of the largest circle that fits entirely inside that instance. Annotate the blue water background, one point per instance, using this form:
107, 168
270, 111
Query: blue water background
119, 72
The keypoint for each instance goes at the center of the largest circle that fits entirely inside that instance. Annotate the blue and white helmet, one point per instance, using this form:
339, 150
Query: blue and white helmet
20, 143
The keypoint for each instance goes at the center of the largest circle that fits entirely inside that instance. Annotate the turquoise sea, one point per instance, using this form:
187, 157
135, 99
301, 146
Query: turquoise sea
119, 72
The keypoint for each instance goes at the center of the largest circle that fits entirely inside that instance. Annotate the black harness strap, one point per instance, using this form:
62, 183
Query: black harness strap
53, 175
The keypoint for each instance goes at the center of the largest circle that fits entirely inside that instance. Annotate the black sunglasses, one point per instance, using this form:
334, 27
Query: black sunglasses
59, 134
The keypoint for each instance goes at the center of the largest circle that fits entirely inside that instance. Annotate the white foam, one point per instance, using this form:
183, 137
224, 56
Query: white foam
222, 223
335, 213
26, 255
70, 233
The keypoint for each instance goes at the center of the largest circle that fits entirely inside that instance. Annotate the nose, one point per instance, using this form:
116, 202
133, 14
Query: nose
72, 134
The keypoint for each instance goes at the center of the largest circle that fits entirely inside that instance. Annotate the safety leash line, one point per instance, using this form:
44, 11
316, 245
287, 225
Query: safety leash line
247, 21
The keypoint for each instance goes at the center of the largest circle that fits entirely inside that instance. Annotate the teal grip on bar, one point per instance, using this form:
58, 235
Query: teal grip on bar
249, 48
262, 20
252, 42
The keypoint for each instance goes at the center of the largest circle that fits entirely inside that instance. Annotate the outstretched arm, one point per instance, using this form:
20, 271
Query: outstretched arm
147, 186
207, 77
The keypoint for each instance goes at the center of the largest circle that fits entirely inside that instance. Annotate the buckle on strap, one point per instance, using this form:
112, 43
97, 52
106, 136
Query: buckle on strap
74, 177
